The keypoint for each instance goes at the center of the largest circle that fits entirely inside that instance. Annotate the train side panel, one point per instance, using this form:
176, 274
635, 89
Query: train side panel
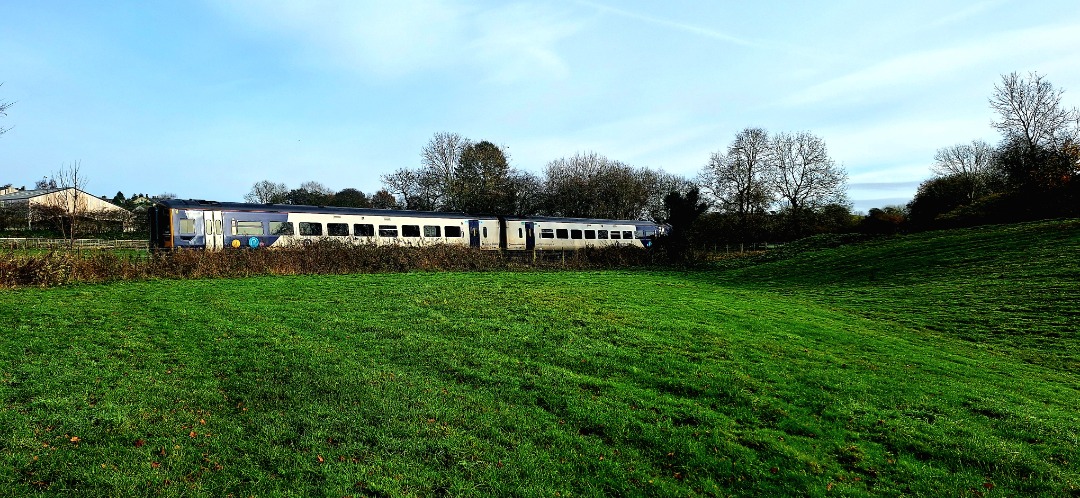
193, 228
568, 235
253, 230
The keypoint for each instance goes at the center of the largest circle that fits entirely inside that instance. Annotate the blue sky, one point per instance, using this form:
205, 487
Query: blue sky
203, 99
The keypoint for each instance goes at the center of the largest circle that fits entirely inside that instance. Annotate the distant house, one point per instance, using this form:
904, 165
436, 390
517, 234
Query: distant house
61, 204
8, 189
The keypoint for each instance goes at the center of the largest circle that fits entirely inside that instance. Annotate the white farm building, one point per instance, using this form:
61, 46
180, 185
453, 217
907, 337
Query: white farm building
51, 205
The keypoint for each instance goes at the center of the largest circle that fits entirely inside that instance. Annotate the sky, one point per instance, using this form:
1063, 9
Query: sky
202, 99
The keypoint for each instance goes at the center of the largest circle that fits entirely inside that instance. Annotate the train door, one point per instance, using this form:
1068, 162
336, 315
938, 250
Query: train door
530, 236
212, 229
160, 227
474, 233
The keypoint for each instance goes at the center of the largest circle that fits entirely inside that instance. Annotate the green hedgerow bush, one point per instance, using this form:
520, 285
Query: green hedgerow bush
328, 257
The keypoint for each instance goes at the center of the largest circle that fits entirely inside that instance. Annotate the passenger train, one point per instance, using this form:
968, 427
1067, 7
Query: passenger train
211, 225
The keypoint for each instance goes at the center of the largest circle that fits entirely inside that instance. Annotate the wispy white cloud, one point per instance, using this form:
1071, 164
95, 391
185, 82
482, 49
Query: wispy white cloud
387, 39
687, 28
518, 43
967, 13
392, 39
926, 67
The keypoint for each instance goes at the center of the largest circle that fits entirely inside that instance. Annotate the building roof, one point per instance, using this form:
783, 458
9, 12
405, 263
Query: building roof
26, 195
23, 195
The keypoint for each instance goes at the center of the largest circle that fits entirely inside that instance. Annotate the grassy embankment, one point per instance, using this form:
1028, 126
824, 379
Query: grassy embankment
936, 364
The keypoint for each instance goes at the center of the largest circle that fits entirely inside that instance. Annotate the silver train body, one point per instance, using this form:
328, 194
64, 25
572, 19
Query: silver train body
199, 224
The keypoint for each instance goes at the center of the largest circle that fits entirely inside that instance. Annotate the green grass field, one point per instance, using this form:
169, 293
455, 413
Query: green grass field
939, 364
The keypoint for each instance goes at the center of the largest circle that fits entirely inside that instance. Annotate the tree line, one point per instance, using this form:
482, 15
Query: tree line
1032, 173
756, 177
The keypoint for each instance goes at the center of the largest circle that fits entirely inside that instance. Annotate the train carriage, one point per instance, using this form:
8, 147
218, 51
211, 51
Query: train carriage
211, 225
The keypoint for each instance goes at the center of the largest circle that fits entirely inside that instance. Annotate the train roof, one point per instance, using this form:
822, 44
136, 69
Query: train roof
298, 208
594, 221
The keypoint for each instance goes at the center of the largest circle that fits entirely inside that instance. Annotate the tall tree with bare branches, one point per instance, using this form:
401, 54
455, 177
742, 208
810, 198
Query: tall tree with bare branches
804, 176
4, 106
1038, 131
739, 180
439, 161
267, 192
1030, 111
972, 164
66, 203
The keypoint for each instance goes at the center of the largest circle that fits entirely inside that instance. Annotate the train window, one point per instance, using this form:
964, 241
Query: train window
387, 230
627, 234
432, 231
247, 227
308, 228
281, 228
601, 234
575, 234
187, 226
337, 229
520, 234
485, 232
452, 231
410, 230
562, 233
615, 234
547, 233
590, 234
364, 230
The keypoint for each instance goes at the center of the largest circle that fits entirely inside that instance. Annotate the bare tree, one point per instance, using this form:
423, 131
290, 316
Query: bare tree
439, 161
1038, 132
527, 193
416, 189
4, 106
740, 180
592, 186
660, 186
65, 203
805, 177
267, 192
976, 158
1030, 111
310, 193
973, 163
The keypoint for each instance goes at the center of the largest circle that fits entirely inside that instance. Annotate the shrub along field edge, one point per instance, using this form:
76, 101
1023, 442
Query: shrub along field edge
327, 258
